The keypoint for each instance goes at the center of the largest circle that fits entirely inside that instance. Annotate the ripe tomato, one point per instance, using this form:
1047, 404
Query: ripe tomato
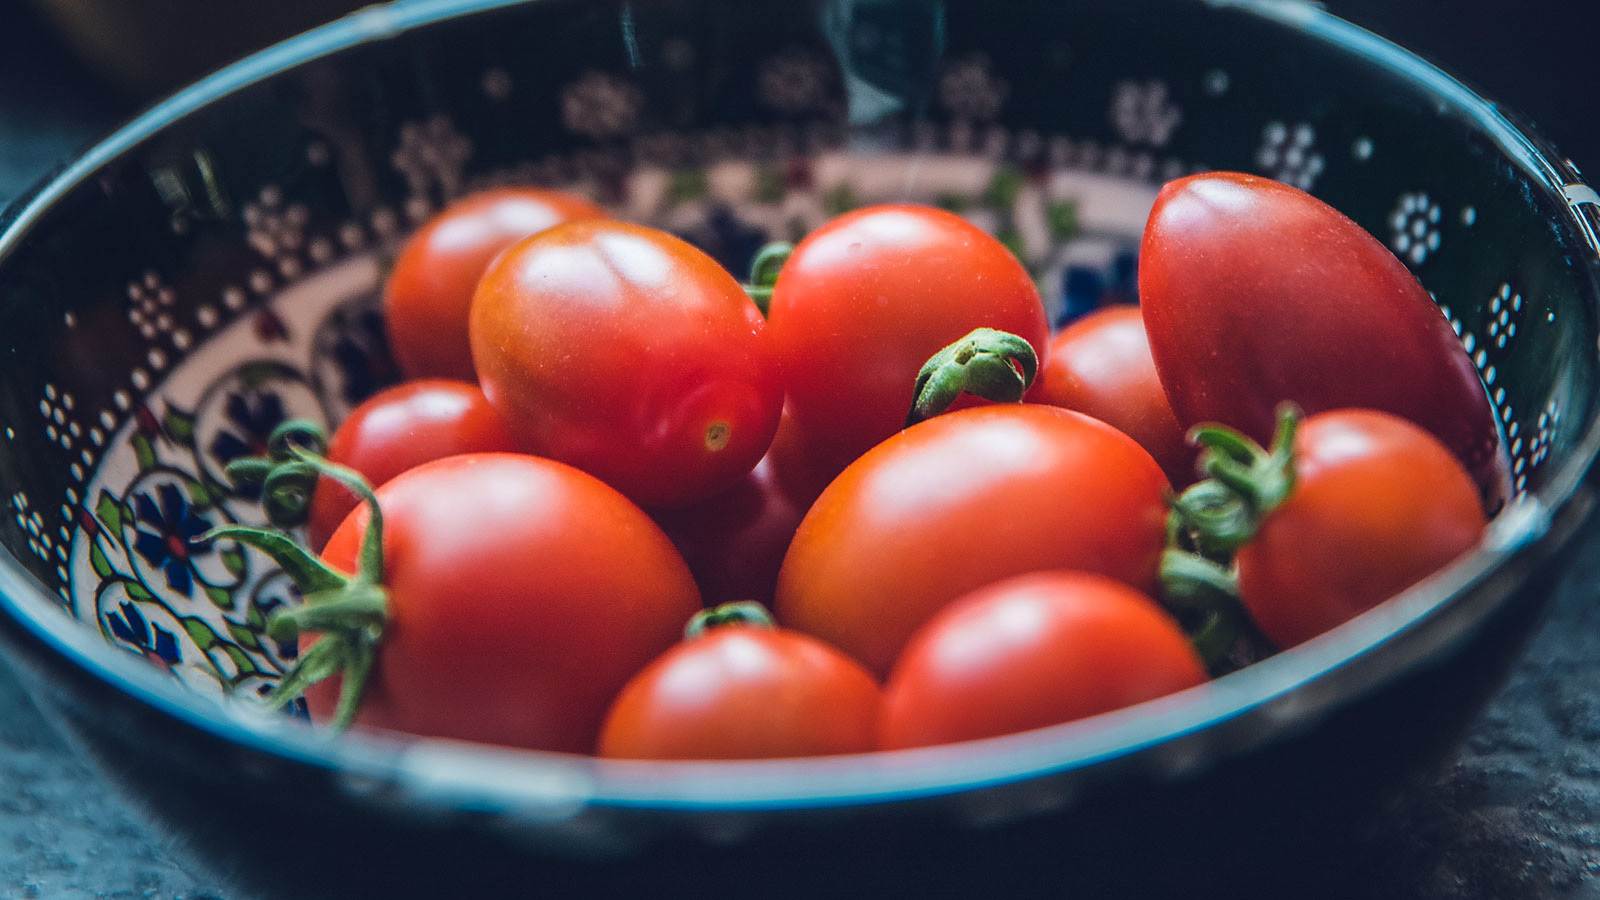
962, 500
1101, 365
628, 353
742, 691
522, 593
1377, 504
426, 297
1033, 650
1256, 293
397, 429
867, 298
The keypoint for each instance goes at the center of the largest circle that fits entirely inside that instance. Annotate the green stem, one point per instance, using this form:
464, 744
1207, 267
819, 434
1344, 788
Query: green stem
744, 613
988, 363
286, 481
764, 272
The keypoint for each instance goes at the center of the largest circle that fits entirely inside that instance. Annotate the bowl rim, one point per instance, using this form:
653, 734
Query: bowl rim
544, 785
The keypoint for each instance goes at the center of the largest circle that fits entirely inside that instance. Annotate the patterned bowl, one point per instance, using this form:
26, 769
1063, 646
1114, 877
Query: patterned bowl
212, 268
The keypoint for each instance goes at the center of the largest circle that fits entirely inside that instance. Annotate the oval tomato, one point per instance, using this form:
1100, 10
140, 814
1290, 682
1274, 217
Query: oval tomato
522, 595
962, 500
628, 353
1255, 293
1034, 650
867, 298
744, 692
1377, 504
397, 429
429, 290
1100, 365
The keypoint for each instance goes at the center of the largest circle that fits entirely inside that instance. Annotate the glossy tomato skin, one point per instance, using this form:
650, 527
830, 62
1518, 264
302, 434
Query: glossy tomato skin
1100, 365
429, 290
867, 298
1034, 650
1378, 504
738, 692
523, 594
630, 354
1255, 293
399, 428
961, 500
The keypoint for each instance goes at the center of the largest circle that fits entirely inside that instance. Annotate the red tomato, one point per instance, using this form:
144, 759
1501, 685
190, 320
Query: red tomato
1377, 504
734, 541
962, 500
1034, 650
867, 298
744, 692
523, 594
1255, 293
628, 353
426, 297
1100, 365
397, 429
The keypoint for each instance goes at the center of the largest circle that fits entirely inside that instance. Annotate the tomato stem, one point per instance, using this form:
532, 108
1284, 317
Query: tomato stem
286, 482
742, 613
347, 612
986, 362
764, 272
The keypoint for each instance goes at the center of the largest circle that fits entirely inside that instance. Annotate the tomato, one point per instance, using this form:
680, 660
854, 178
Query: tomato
868, 297
742, 691
734, 541
1255, 293
1101, 365
630, 354
426, 297
1033, 650
522, 595
1376, 505
962, 500
397, 429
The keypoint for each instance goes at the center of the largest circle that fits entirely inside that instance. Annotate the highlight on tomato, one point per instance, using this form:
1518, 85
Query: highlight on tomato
630, 354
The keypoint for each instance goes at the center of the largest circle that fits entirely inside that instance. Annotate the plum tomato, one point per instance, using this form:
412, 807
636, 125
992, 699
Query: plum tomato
429, 290
961, 500
744, 690
399, 428
1033, 650
1101, 365
868, 297
630, 354
1377, 503
1255, 293
522, 595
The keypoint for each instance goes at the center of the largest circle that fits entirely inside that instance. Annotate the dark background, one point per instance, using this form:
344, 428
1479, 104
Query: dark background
1513, 813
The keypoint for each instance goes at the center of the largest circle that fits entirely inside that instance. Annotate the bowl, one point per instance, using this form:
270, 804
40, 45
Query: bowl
212, 268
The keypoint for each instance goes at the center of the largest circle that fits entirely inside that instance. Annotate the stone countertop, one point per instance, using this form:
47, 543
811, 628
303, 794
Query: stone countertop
1514, 813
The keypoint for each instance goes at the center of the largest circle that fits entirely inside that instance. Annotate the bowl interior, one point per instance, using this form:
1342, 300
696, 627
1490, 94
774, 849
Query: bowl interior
214, 268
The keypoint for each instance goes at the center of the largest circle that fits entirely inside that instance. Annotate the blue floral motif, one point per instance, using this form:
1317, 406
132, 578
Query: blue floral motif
253, 416
166, 535
362, 354
130, 627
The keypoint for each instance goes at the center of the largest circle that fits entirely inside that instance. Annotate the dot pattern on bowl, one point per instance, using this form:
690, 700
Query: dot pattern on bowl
1289, 154
1143, 112
1414, 227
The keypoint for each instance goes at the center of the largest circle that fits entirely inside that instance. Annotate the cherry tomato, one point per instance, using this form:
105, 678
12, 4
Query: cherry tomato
1100, 365
867, 298
426, 297
397, 429
1255, 293
962, 500
628, 353
523, 594
1377, 504
1033, 650
744, 692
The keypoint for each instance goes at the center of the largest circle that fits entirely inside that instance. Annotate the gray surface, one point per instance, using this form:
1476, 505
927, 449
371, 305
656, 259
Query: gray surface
1514, 814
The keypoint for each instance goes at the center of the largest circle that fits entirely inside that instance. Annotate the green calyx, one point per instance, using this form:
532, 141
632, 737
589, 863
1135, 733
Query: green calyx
764, 272
1208, 524
989, 363
347, 612
286, 481
739, 613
